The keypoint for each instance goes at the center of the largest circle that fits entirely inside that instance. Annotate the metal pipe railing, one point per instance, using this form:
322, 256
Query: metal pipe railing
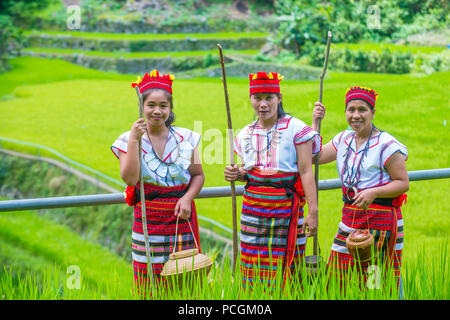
211, 192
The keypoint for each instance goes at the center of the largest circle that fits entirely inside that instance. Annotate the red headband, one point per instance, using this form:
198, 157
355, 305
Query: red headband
262, 82
154, 80
361, 93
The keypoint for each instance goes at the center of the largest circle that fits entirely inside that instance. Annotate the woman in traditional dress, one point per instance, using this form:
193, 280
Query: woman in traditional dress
371, 167
276, 152
172, 174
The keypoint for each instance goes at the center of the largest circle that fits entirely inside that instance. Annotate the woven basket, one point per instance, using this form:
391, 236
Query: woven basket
189, 262
186, 261
359, 244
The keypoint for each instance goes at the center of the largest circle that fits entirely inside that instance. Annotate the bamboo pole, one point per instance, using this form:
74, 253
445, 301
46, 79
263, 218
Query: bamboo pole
142, 195
231, 142
316, 162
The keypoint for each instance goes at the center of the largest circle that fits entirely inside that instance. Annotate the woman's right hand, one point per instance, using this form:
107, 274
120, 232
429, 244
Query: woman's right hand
319, 111
231, 172
138, 129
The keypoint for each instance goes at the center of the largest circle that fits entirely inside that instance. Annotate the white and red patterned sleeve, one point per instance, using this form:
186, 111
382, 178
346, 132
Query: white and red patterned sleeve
121, 144
304, 133
195, 138
390, 145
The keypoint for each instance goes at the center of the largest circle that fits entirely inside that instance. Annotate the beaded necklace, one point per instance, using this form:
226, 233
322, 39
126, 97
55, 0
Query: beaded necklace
271, 133
160, 166
350, 178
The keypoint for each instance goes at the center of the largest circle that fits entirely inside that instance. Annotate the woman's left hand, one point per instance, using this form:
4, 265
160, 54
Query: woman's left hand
364, 198
183, 208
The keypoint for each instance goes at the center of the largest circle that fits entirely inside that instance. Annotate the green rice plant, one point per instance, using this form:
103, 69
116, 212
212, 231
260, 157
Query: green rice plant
51, 285
422, 280
25, 234
426, 277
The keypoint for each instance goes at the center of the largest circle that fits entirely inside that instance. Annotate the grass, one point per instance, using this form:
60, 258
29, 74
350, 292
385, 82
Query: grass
134, 55
37, 267
147, 36
378, 47
44, 250
29, 71
80, 112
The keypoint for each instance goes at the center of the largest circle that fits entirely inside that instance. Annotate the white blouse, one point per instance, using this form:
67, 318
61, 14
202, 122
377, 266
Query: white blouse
368, 171
274, 149
173, 170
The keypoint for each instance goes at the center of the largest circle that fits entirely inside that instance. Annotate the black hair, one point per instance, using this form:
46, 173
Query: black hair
169, 97
280, 111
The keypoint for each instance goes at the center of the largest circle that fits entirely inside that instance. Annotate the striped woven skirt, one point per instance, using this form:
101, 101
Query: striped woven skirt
265, 228
161, 224
386, 226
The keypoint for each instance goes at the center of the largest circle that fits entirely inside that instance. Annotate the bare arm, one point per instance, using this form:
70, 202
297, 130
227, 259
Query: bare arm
129, 167
327, 154
129, 162
304, 163
396, 167
183, 206
197, 176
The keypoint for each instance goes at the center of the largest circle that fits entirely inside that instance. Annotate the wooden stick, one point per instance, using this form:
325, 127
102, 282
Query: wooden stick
231, 142
316, 164
142, 193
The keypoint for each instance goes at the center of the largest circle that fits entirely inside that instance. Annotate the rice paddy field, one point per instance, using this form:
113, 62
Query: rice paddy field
145, 36
114, 54
378, 47
80, 112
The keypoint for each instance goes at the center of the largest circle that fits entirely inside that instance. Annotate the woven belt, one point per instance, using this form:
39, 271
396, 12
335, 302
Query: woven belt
387, 202
153, 195
288, 186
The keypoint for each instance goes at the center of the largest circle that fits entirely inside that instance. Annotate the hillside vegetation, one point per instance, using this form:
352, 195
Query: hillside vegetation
68, 88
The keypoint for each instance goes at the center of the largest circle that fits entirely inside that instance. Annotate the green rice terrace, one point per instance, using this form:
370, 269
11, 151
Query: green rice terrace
65, 96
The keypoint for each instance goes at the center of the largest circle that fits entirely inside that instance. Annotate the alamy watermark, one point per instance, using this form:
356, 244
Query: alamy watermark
373, 19
74, 277
73, 21
214, 147
374, 277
